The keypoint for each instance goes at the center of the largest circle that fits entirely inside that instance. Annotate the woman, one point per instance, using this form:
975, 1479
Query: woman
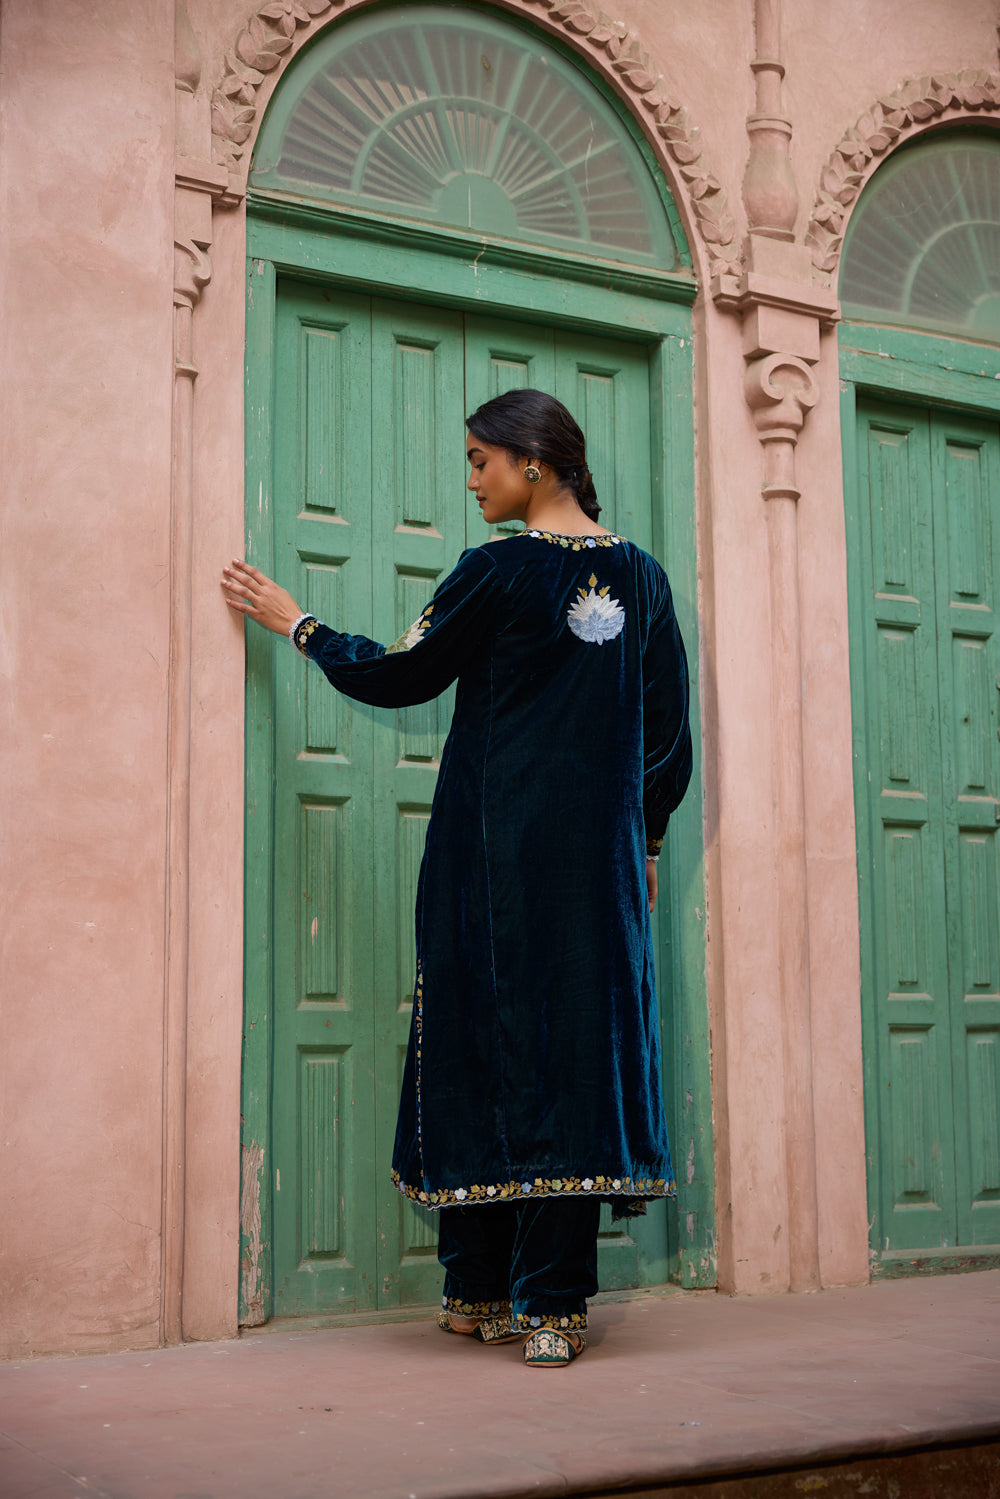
531, 1090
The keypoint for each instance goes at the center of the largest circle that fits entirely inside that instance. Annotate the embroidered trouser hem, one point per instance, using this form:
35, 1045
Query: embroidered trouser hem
538, 1259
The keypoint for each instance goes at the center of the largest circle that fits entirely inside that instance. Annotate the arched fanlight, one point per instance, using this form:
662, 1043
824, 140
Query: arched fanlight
923, 245
451, 117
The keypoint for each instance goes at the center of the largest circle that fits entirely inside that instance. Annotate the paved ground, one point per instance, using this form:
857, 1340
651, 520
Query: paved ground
674, 1387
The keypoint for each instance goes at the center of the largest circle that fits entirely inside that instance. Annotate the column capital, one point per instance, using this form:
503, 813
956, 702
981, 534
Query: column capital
780, 391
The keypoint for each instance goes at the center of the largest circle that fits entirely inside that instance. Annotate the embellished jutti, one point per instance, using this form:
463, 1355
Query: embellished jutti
534, 1059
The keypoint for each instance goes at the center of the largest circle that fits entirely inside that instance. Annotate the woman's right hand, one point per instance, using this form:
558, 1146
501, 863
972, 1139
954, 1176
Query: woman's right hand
251, 592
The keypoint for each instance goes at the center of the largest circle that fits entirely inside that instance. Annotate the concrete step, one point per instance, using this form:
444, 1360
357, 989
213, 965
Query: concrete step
890, 1389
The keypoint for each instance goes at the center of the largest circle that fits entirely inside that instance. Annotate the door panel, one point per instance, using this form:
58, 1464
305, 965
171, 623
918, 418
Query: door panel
370, 512
966, 458
912, 967
324, 1215
419, 529
929, 487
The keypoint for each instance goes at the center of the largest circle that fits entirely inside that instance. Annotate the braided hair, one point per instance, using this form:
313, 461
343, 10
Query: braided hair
531, 424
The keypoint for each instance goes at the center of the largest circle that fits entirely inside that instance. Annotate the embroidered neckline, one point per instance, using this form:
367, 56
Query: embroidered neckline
574, 543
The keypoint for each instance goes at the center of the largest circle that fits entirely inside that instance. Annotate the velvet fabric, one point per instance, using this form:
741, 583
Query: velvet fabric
534, 1058
537, 1258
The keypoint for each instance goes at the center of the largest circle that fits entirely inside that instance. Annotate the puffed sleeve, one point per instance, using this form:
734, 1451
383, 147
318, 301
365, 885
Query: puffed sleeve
428, 657
666, 730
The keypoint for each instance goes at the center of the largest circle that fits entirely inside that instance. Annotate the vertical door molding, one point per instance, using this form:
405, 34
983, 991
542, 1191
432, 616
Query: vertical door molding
197, 184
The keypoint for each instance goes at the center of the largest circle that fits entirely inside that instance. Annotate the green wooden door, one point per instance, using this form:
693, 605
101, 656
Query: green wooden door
926, 691
369, 512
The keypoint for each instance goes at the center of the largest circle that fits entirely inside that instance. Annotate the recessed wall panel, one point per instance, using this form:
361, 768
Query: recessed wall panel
324, 598
596, 401
419, 724
892, 512
323, 411
898, 704
904, 909
972, 724
321, 830
321, 1186
983, 1050
967, 530
913, 1113
980, 939
415, 422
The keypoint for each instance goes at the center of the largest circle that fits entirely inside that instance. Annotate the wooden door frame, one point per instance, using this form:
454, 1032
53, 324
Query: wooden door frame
354, 253
891, 364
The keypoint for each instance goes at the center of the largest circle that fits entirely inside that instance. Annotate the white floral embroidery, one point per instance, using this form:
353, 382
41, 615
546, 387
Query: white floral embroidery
594, 617
414, 634
461, 1194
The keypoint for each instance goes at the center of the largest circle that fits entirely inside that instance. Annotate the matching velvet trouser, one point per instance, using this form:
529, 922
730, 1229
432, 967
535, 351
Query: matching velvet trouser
537, 1258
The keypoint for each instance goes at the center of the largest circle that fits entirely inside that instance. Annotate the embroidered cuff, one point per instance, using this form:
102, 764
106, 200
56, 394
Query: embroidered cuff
300, 632
653, 847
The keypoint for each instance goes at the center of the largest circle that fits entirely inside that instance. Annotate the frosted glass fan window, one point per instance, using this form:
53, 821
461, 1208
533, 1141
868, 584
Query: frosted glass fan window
457, 119
923, 246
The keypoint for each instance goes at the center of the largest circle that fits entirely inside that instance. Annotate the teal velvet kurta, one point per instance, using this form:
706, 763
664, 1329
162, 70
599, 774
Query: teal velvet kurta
534, 1059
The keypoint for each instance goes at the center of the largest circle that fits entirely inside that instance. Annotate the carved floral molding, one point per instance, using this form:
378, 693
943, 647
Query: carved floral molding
281, 26
912, 107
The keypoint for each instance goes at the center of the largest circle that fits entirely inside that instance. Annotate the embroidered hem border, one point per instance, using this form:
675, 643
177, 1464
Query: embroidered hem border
575, 1322
475, 1308
566, 1186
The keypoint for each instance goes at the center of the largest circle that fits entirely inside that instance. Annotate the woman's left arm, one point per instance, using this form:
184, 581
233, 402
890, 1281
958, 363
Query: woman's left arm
413, 669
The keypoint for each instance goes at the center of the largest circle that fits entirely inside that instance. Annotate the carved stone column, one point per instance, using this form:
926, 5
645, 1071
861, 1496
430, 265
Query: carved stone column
769, 191
780, 391
782, 312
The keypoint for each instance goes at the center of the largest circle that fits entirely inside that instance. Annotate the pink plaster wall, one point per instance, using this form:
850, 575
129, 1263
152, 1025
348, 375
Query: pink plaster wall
86, 199
87, 120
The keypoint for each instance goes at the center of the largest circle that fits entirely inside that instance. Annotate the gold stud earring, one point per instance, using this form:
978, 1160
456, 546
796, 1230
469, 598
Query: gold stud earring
532, 473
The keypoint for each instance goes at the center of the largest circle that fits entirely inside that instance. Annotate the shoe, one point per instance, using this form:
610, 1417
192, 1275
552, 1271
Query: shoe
550, 1349
484, 1329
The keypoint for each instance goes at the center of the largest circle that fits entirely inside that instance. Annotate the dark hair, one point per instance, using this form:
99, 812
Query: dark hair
532, 424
